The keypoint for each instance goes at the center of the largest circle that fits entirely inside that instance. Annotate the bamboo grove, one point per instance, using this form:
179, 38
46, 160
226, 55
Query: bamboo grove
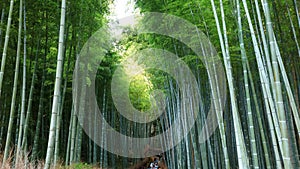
256, 40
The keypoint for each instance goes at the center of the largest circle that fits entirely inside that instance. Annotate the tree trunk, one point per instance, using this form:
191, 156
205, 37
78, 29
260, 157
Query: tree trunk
56, 96
239, 138
247, 91
21, 126
6, 44
12, 108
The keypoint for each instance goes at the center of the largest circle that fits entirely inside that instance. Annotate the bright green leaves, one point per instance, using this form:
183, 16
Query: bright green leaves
139, 92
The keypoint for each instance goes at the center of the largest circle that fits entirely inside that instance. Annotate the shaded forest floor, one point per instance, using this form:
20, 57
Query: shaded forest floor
24, 163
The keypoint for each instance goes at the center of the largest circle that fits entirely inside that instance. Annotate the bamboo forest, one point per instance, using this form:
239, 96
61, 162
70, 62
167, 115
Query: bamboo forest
150, 84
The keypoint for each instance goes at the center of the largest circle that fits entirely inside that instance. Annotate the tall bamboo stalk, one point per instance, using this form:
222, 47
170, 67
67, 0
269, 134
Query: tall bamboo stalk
217, 104
248, 102
57, 87
69, 138
1, 22
297, 12
293, 28
24, 68
262, 74
12, 109
289, 90
240, 144
259, 119
73, 135
6, 44
38, 124
40, 109
278, 98
23, 88
59, 117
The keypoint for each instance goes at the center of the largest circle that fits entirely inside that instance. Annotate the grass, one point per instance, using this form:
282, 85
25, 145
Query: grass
23, 162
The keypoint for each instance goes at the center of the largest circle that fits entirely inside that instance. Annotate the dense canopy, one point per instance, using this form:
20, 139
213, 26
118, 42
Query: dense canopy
230, 65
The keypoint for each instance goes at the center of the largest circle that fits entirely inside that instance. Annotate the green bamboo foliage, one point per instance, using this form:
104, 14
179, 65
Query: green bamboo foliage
1, 22
55, 109
293, 27
258, 124
297, 12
